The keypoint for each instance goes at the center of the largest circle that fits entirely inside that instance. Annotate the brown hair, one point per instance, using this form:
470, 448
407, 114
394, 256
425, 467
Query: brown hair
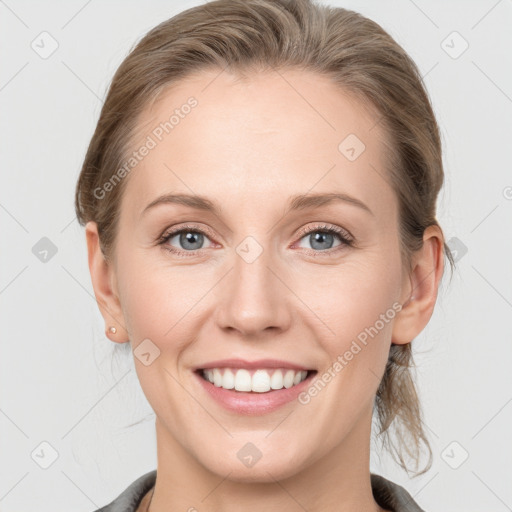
355, 53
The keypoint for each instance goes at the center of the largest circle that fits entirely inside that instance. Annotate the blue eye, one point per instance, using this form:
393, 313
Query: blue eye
190, 239
321, 239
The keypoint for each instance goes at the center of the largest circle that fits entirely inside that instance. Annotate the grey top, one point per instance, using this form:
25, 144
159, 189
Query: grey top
387, 494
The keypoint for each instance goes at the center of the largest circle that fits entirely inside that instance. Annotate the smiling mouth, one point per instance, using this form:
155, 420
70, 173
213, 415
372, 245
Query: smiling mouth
256, 380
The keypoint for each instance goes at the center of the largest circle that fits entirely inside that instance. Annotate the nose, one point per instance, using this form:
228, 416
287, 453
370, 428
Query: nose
254, 298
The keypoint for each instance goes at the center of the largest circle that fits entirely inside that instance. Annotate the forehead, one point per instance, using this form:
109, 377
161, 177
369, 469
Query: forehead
269, 135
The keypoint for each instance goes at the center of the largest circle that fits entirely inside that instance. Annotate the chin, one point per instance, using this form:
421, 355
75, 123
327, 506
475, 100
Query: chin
262, 471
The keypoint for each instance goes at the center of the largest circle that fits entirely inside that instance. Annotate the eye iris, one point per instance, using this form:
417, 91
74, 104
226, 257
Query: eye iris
321, 237
191, 237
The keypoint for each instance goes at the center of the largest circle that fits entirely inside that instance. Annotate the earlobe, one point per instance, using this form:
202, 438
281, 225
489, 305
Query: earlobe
421, 290
102, 277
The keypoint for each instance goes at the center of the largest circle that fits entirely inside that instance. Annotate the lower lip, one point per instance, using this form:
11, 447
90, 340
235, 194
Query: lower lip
252, 404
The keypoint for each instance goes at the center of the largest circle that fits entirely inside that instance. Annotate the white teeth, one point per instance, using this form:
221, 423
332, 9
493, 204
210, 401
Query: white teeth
276, 381
228, 379
288, 379
217, 377
242, 380
260, 382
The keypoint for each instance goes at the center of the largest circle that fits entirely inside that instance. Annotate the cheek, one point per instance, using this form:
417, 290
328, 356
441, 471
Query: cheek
160, 300
356, 301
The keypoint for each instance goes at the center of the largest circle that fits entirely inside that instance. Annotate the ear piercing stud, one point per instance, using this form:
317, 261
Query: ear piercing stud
112, 330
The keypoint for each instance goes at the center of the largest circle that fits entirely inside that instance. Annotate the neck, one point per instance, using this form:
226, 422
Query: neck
337, 482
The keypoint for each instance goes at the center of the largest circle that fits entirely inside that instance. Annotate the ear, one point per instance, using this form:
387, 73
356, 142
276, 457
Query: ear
103, 282
420, 294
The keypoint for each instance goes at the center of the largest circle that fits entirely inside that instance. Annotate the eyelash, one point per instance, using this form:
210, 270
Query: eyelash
344, 237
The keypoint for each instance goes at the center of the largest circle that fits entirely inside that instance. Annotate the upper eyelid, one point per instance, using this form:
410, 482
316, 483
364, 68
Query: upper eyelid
176, 230
342, 232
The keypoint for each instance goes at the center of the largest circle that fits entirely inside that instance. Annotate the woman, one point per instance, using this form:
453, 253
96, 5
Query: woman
259, 204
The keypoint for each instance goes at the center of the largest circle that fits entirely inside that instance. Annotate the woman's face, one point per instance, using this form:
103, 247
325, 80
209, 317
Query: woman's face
246, 281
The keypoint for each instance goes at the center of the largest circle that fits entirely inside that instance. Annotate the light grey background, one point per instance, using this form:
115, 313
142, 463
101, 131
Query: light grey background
58, 380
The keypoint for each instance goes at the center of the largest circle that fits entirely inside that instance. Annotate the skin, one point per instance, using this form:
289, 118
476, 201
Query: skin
249, 145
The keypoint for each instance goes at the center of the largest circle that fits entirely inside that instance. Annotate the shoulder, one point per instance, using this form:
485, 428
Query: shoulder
129, 499
391, 496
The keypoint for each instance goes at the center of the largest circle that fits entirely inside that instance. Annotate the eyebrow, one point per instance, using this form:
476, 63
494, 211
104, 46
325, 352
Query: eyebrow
298, 202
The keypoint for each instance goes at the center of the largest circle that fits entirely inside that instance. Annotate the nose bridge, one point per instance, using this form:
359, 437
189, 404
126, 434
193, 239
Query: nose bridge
254, 298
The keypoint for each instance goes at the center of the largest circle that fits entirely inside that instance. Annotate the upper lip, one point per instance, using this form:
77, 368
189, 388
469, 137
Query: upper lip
250, 365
